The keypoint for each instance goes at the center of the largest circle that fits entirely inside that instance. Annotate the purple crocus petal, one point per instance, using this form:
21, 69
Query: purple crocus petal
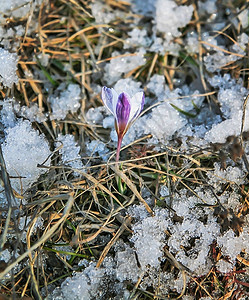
137, 104
107, 97
123, 109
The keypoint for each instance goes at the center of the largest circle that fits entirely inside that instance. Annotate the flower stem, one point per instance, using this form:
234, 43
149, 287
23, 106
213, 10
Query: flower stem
120, 138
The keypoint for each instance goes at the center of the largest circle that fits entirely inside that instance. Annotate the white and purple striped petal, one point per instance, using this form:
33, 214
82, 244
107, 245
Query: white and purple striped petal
137, 104
123, 110
107, 97
110, 98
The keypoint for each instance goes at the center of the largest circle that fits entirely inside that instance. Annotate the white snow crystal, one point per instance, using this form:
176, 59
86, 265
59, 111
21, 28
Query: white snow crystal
143, 7
96, 115
164, 191
164, 121
44, 59
170, 17
157, 85
137, 38
97, 147
231, 98
223, 82
127, 85
221, 131
108, 122
7, 35
197, 258
122, 64
192, 43
224, 266
231, 245
68, 101
240, 46
187, 297
157, 45
5, 255
81, 285
8, 118
220, 176
70, 152
23, 149
90, 284
8, 67
214, 62
243, 17
138, 212
126, 264
207, 7
33, 113
192, 229
148, 238
15, 8
103, 13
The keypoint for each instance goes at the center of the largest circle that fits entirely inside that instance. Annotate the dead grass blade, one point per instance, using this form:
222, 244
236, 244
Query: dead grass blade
227, 296
202, 287
132, 187
5, 181
180, 268
77, 241
122, 228
43, 239
102, 187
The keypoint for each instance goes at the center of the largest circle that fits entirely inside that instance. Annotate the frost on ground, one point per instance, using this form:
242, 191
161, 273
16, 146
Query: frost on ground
176, 224
23, 149
8, 67
231, 97
154, 234
68, 101
70, 152
17, 8
121, 63
170, 19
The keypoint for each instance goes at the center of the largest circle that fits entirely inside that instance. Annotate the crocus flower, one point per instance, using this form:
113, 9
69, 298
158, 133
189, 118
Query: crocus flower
125, 110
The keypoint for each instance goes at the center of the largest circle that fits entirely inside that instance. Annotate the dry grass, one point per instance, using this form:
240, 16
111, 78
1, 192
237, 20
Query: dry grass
79, 210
